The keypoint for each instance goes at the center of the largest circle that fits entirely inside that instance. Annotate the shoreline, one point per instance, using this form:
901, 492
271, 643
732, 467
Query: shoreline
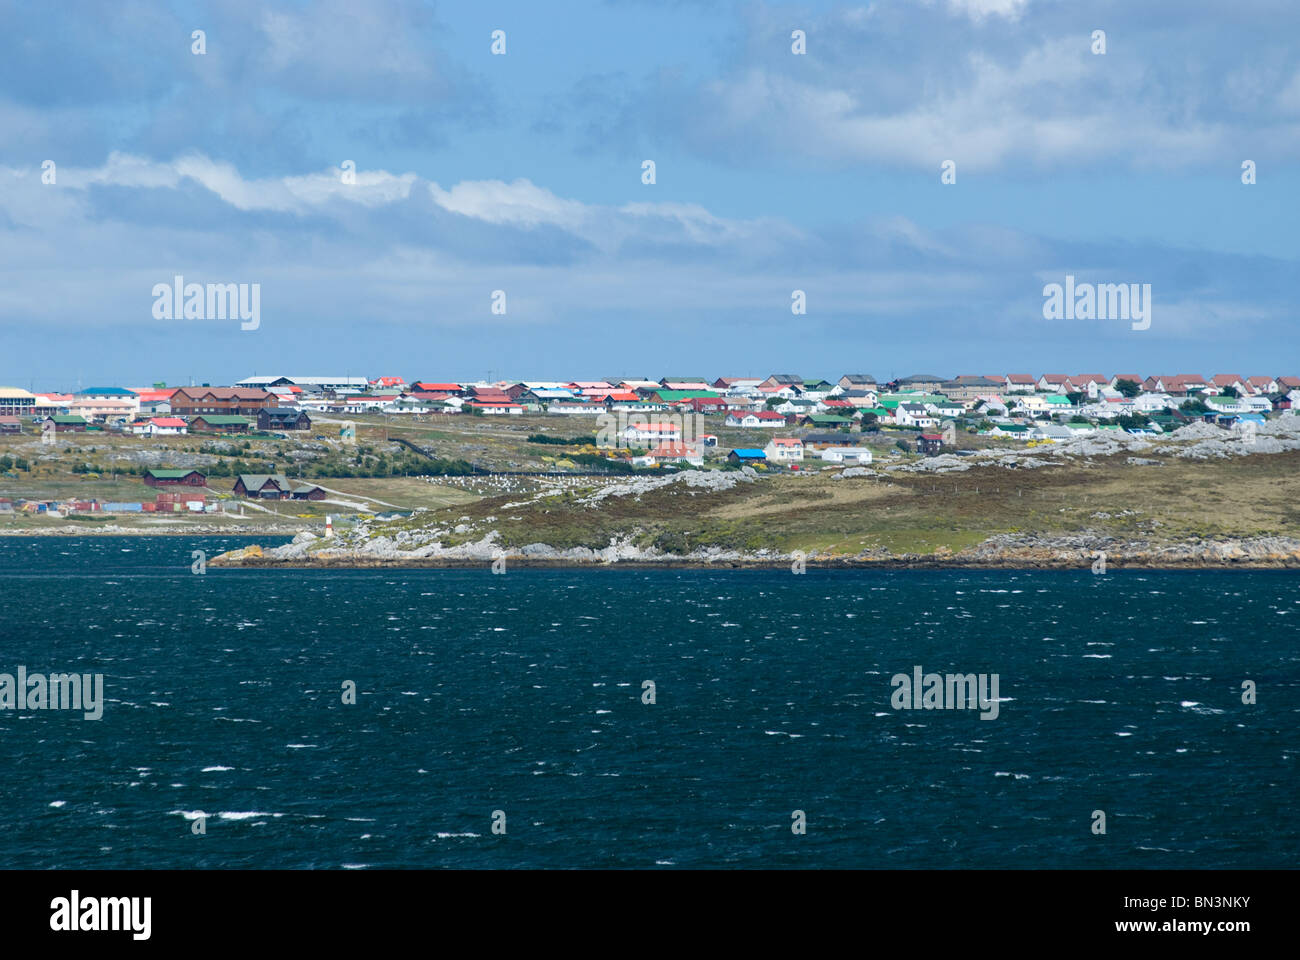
907, 562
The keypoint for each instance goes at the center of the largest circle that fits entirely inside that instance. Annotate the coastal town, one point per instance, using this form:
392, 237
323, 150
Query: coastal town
782, 423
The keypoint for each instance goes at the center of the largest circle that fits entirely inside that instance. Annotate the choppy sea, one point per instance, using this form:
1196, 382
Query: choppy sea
520, 700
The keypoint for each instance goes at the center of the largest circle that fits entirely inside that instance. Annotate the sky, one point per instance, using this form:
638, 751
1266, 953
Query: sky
387, 180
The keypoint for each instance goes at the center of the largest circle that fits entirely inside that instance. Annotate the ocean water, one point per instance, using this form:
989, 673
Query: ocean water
522, 693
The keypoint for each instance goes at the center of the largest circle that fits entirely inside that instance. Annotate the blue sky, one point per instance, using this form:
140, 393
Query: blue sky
522, 173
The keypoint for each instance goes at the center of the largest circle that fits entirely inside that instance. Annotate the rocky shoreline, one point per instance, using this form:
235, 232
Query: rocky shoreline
998, 552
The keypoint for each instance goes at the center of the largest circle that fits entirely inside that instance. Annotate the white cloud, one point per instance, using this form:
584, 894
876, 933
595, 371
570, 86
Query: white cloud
295, 194
521, 203
980, 9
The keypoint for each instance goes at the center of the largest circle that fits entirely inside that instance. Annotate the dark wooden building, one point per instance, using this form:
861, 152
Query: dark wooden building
929, 443
219, 423
66, 423
282, 419
263, 486
172, 478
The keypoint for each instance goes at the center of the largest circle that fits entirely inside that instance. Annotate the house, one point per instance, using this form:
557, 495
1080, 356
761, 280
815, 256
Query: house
10, 425
1153, 402
945, 408
1185, 384
798, 406
761, 418
283, 419
447, 389
648, 434
858, 381
174, 478
859, 455
1032, 404
1225, 404
680, 383
155, 403
969, 387
706, 405
929, 443
670, 397
746, 455
1090, 383
68, 423
1261, 385
219, 423
860, 398
1022, 382
1223, 381
674, 451
784, 450
778, 381
117, 394
923, 382
735, 384
826, 421
1052, 432
228, 401
17, 402
500, 407
815, 388
263, 486
991, 406
104, 408
160, 427
307, 491
844, 408
914, 415
575, 408
316, 384
541, 394
1016, 430
1053, 383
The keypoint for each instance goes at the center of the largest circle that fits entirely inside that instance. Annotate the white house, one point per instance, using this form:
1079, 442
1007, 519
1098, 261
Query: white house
914, 415
946, 408
160, 427
1220, 404
652, 434
678, 452
1033, 403
784, 450
846, 455
759, 418
575, 408
1153, 402
1051, 431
